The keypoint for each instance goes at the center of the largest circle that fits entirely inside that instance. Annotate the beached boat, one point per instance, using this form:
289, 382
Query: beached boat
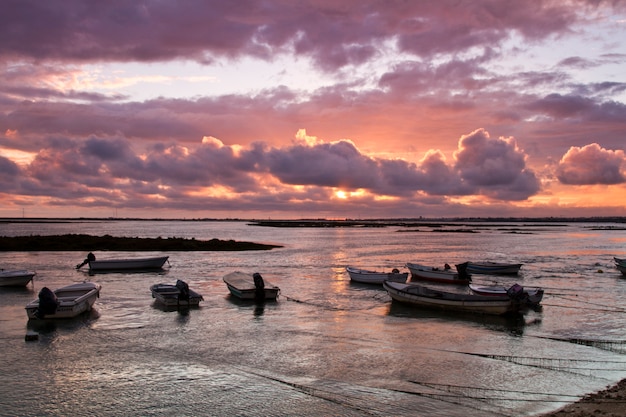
374, 277
65, 302
124, 264
430, 298
493, 268
250, 286
532, 295
445, 275
179, 295
16, 278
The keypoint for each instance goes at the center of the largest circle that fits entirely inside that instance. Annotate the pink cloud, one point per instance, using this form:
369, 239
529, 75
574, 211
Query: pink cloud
592, 164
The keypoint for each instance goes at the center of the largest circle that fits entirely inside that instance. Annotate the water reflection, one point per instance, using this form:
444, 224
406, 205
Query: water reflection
513, 324
49, 329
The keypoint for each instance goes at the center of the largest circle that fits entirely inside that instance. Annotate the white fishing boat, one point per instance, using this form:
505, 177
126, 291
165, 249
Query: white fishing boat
178, 295
123, 264
430, 298
531, 295
16, 278
493, 268
444, 275
374, 277
250, 286
65, 302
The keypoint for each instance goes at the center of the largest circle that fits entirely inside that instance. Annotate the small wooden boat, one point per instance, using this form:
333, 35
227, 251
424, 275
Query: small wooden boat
179, 295
493, 268
374, 277
65, 302
16, 278
125, 264
429, 298
250, 286
445, 275
532, 296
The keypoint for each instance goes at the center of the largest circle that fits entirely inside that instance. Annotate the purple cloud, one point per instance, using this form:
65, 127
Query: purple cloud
592, 164
494, 166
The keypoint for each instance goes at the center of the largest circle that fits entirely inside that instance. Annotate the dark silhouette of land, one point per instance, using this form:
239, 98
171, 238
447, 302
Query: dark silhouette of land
78, 242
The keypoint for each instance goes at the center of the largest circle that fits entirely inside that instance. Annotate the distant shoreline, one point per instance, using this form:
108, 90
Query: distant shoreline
330, 222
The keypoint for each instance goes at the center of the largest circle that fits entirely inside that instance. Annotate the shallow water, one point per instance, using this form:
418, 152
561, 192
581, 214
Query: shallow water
327, 346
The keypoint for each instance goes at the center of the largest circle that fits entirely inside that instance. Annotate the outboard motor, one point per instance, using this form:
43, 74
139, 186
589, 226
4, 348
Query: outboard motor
48, 303
259, 285
462, 271
183, 289
516, 292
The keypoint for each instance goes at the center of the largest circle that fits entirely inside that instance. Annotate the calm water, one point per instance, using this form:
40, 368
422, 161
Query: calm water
327, 347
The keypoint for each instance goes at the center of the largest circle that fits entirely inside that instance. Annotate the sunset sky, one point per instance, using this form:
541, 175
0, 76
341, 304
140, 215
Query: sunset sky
311, 109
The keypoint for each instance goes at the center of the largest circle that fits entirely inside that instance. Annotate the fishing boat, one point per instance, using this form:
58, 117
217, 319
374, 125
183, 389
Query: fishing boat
493, 268
445, 275
178, 295
374, 277
65, 302
16, 278
123, 264
531, 295
429, 298
250, 286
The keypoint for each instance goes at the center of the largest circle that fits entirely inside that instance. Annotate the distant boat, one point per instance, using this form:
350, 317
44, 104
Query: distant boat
250, 286
179, 295
440, 275
127, 264
493, 268
65, 302
429, 298
16, 278
532, 296
374, 277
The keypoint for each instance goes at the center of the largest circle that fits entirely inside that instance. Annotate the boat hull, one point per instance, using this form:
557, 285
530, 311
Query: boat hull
493, 268
73, 300
372, 277
531, 295
431, 274
427, 298
128, 264
621, 268
18, 278
242, 286
169, 296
